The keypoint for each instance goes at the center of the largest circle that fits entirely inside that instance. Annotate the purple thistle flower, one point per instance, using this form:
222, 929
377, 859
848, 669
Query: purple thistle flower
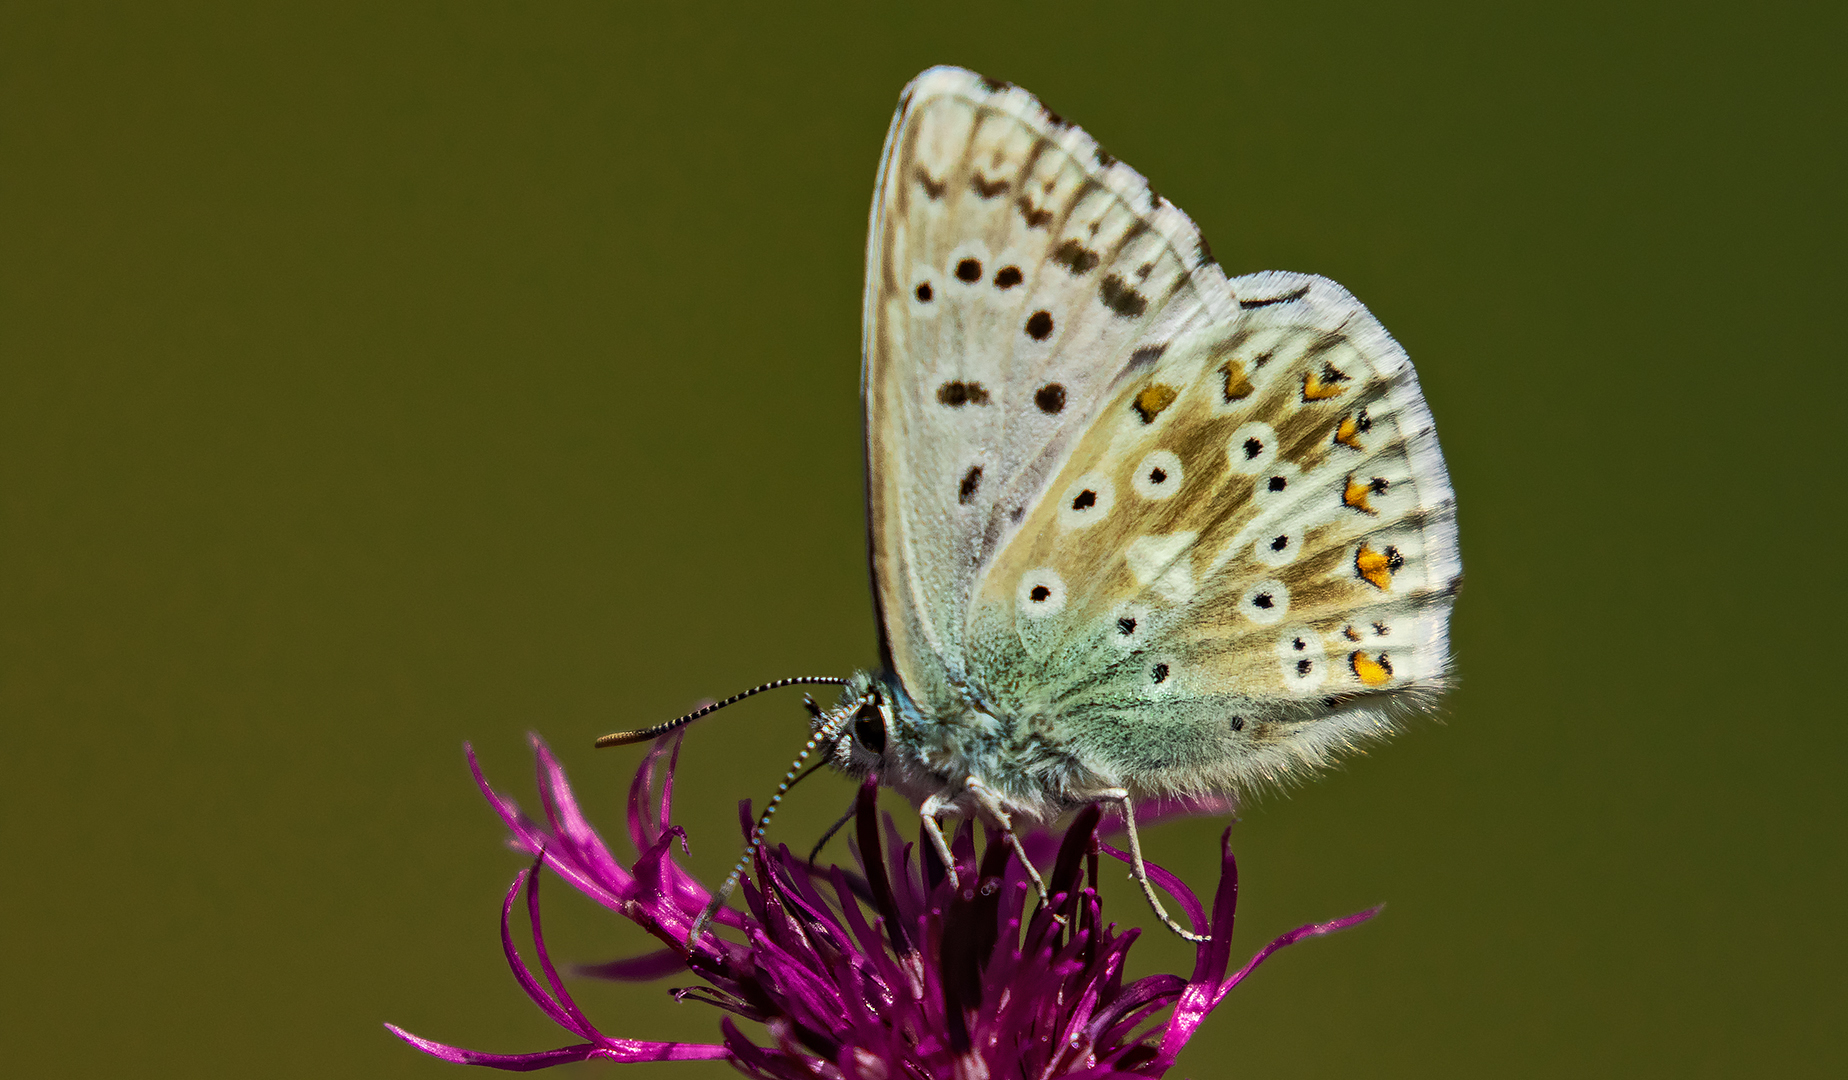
930, 983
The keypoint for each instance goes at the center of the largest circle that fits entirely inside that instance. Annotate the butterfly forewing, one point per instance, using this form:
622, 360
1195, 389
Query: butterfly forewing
1014, 272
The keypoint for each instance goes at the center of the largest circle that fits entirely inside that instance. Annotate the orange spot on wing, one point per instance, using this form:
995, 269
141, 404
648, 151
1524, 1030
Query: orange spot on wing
1238, 387
1347, 433
1370, 671
1377, 567
1320, 385
1355, 496
1152, 399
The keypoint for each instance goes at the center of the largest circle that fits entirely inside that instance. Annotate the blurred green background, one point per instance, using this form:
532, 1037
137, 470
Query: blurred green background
380, 377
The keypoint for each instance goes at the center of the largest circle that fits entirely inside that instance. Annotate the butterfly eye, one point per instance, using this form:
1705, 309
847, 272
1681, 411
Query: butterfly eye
869, 728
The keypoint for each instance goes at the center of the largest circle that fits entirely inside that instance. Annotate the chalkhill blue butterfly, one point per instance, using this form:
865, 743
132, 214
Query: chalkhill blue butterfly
1137, 530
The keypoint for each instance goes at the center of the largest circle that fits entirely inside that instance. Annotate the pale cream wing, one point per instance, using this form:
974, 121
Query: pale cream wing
1247, 563
1014, 271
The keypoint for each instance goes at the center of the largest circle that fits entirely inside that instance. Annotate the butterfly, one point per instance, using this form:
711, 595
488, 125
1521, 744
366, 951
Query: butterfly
1137, 530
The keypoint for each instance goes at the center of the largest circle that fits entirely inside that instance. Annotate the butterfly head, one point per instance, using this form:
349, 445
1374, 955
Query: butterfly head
858, 730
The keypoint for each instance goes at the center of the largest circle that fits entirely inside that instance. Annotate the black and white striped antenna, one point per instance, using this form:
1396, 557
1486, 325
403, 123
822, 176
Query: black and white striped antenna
623, 738
825, 734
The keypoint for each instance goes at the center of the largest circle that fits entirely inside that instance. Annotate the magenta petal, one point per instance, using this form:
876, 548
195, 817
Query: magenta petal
1210, 960
559, 994
614, 1050
1291, 938
644, 968
893, 976
456, 1055
559, 1014
1169, 884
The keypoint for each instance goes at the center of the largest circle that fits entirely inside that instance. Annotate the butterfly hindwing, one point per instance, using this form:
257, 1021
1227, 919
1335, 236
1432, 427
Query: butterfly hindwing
1245, 563
1014, 271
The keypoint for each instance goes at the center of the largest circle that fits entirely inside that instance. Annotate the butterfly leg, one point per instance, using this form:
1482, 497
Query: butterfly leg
932, 811
1120, 796
990, 802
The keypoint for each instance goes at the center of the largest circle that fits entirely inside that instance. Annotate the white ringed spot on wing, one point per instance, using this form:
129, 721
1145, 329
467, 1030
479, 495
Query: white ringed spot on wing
1159, 475
1129, 627
1087, 501
1276, 484
1301, 659
925, 294
1279, 546
1252, 448
1161, 674
1006, 283
1265, 603
1041, 593
966, 271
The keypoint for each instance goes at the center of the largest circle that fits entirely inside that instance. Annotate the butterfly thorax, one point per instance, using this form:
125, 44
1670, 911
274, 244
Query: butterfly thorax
924, 753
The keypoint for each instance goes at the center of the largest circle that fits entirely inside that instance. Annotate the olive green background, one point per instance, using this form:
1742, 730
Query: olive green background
378, 378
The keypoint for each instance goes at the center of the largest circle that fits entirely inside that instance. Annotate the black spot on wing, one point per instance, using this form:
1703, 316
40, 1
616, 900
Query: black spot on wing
1032, 215
1146, 355
1039, 325
1050, 398
1075, 257
956, 394
1121, 297
970, 482
986, 188
1286, 298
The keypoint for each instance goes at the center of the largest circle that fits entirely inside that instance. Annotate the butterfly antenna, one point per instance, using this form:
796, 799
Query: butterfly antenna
815, 852
826, 734
623, 738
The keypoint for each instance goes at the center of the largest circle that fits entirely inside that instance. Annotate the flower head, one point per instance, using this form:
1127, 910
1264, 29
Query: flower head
885, 973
